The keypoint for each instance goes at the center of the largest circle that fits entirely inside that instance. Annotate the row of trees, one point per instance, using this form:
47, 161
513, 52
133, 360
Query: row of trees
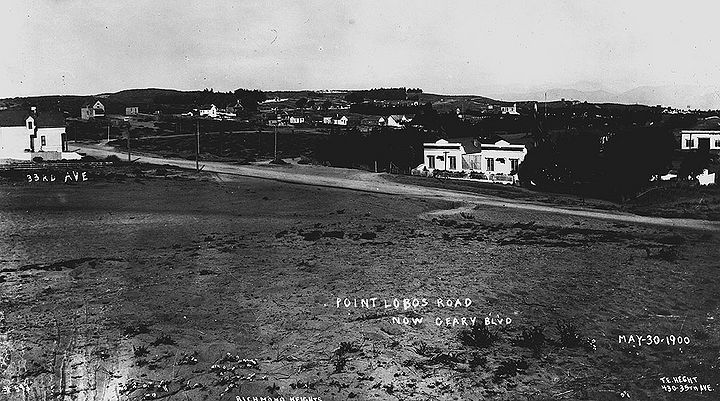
383, 94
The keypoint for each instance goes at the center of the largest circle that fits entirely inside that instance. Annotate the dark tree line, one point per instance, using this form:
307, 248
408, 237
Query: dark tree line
382, 94
583, 164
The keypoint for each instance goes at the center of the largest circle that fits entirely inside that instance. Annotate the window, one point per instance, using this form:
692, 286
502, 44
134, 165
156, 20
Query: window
30, 124
490, 164
43, 142
453, 163
688, 143
514, 165
717, 143
431, 161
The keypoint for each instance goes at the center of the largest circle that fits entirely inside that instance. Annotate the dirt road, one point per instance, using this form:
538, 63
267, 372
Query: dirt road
366, 181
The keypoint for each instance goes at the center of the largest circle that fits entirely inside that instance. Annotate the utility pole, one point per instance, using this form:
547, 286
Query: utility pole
108, 133
197, 152
275, 143
128, 144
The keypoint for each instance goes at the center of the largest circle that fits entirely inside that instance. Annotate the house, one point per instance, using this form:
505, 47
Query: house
340, 120
208, 110
509, 110
132, 111
234, 108
327, 120
92, 110
398, 120
297, 120
490, 156
27, 134
279, 120
705, 135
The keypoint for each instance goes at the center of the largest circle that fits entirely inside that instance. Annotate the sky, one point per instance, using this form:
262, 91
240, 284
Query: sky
458, 47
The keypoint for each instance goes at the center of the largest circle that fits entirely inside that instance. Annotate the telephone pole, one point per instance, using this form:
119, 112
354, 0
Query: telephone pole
128, 144
197, 151
275, 143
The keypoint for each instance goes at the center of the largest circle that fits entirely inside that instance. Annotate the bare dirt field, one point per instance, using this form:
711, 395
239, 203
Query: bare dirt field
156, 284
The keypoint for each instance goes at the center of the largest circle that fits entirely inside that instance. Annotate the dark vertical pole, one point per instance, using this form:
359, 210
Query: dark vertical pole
197, 152
128, 144
275, 143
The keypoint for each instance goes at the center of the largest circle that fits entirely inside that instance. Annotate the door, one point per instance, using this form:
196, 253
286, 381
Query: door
704, 144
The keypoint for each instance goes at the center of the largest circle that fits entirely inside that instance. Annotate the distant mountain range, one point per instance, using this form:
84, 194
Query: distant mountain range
677, 96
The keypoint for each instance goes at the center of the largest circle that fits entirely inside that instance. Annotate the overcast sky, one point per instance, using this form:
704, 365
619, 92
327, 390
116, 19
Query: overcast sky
89, 47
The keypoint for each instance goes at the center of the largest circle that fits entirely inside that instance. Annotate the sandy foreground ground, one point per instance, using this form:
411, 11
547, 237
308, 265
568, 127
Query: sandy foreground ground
163, 285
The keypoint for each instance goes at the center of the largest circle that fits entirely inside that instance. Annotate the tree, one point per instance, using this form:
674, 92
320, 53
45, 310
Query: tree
250, 98
301, 103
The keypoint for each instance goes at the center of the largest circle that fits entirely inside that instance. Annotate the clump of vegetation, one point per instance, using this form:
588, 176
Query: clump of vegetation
133, 330
113, 159
509, 369
300, 384
532, 338
273, 389
140, 351
422, 349
334, 234
478, 336
571, 338
477, 361
340, 362
340, 354
163, 339
347, 347
666, 253
313, 235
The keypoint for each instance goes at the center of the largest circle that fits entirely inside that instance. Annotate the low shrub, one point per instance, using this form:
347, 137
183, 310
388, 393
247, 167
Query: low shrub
478, 336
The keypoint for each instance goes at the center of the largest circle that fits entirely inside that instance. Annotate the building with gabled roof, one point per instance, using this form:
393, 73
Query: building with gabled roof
491, 156
92, 110
27, 134
397, 120
208, 110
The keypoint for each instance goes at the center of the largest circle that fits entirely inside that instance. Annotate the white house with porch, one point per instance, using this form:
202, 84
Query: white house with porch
25, 135
705, 135
491, 157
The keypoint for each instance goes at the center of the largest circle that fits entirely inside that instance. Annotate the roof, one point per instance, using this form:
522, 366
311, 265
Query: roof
91, 104
707, 124
43, 119
474, 144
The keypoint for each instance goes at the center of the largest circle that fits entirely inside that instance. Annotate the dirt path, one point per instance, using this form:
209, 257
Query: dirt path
370, 182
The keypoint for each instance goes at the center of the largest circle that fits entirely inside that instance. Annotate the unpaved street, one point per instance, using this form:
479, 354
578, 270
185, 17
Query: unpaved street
365, 181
